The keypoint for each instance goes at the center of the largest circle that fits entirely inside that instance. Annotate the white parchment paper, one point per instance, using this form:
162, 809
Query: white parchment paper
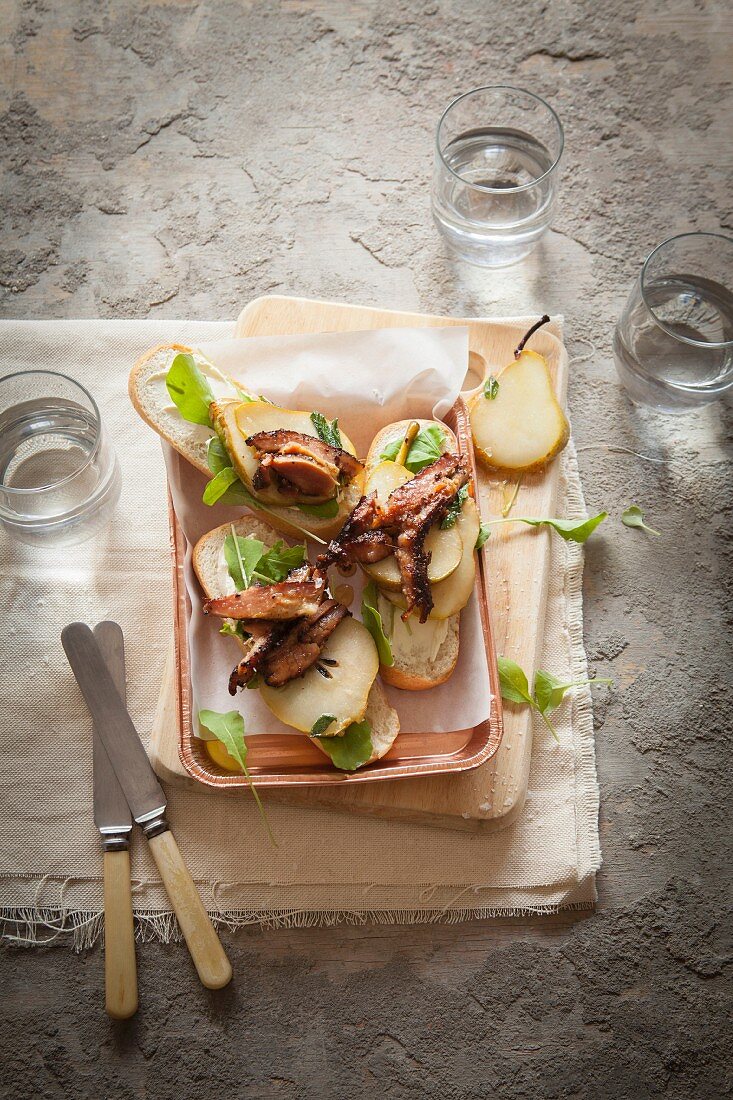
367, 380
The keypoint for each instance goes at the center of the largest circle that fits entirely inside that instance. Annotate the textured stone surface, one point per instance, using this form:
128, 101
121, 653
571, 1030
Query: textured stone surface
179, 159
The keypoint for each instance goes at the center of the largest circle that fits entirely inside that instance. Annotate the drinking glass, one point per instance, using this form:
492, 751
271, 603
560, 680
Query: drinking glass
59, 475
496, 174
673, 343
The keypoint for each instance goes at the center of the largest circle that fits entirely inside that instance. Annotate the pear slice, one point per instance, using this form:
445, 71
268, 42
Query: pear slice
445, 549
523, 427
453, 593
385, 478
300, 703
236, 420
445, 546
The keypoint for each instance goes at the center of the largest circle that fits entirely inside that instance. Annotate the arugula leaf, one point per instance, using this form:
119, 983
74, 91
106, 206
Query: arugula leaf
351, 749
327, 510
427, 447
491, 388
189, 390
483, 533
549, 692
634, 517
514, 683
321, 724
248, 561
236, 631
451, 516
572, 530
242, 555
327, 430
372, 620
515, 688
217, 456
219, 484
229, 729
275, 564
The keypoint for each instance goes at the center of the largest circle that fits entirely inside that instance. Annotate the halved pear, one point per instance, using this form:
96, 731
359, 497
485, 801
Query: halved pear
301, 702
523, 427
452, 594
236, 420
445, 546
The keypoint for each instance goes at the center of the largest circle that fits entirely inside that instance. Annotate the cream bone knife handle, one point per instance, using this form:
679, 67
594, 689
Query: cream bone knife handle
120, 970
207, 953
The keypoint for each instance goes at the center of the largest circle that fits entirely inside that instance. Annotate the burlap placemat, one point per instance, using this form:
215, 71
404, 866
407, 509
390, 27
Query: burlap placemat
328, 866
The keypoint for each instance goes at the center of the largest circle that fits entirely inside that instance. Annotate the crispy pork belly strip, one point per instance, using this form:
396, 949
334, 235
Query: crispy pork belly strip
359, 529
401, 526
436, 485
286, 600
264, 636
309, 477
301, 647
414, 507
285, 441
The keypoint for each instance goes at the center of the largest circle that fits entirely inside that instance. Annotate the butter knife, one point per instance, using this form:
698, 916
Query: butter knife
146, 800
113, 819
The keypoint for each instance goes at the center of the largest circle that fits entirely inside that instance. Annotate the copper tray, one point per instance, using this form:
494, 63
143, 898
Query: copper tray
282, 760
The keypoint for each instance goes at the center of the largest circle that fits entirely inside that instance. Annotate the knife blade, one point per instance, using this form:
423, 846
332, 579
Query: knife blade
113, 819
111, 813
127, 756
146, 799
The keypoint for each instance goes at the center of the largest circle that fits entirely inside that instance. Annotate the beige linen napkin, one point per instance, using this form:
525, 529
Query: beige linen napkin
50, 860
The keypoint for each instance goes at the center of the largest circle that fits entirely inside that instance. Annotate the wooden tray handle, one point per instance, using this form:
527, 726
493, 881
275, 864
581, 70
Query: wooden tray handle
120, 973
207, 953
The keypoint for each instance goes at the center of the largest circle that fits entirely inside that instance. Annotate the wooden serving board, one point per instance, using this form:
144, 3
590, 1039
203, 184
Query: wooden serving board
490, 796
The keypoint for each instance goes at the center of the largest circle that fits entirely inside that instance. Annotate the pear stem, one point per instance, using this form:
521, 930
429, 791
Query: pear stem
520, 346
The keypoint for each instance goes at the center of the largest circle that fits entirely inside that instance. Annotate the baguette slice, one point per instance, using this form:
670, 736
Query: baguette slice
206, 556
421, 671
148, 395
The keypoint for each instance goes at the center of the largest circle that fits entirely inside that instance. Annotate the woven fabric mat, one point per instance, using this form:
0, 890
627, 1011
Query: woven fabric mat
328, 866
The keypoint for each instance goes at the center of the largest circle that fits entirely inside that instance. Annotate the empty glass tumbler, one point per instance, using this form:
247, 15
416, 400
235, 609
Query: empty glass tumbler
59, 476
496, 174
673, 343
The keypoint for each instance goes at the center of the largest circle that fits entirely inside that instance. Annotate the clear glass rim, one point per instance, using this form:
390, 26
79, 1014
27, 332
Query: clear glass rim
10, 489
501, 190
710, 344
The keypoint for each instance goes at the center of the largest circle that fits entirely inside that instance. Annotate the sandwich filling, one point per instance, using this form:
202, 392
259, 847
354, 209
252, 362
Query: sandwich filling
300, 464
400, 527
285, 625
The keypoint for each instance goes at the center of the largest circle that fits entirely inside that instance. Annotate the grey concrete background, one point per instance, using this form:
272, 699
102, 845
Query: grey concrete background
178, 159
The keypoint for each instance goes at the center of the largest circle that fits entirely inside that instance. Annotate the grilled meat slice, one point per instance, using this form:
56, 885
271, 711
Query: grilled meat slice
300, 463
308, 476
359, 538
301, 647
264, 637
285, 441
400, 527
289, 599
413, 508
429, 492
